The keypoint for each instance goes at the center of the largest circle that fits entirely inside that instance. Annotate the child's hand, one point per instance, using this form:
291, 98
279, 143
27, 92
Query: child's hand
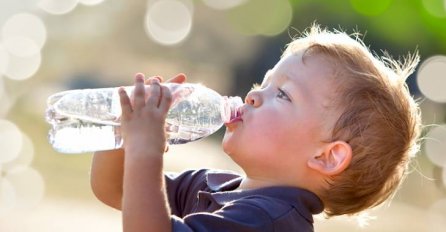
179, 79
142, 123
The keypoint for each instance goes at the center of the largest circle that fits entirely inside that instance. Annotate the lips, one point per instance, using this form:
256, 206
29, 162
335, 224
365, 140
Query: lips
237, 118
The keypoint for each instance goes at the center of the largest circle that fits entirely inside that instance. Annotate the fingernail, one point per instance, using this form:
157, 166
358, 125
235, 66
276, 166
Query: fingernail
139, 78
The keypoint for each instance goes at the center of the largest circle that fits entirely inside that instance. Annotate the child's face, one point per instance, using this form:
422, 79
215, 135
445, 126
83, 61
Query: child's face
285, 120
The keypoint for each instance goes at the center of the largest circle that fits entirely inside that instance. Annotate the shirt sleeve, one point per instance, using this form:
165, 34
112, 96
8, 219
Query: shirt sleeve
182, 190
241, 215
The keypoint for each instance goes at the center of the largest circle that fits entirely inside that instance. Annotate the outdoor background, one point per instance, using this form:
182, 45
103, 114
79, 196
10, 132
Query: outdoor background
47, 46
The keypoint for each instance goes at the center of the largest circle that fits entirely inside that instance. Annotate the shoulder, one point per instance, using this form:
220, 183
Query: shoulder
203, 173
207, 178
268, 212
287, 207
274, 207
284, 216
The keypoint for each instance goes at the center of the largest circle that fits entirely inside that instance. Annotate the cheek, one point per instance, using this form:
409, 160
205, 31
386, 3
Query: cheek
268, 135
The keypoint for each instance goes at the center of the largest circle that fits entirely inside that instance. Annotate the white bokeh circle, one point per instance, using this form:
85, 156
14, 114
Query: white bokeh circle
11, 141
7, 196
91, 2
431, 78
4, 59
23, 159
29, 187
21, 68
435, 145
223, 5
58, 7
25, 25
168, 22
20, 46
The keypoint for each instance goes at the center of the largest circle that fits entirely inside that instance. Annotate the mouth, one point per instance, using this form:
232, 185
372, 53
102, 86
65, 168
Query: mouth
236, 118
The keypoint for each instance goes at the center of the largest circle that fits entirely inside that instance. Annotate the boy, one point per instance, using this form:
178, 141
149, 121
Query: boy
331, 128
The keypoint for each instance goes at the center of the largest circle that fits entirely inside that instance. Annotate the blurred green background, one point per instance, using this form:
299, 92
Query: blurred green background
48, 46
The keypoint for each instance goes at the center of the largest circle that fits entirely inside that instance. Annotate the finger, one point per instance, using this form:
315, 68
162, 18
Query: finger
154, 81
124, 99
138, 93
155, 93
140, 75
179, 78
148, 80
166, 99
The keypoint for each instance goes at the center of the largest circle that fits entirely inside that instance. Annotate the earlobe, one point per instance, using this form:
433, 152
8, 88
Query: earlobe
334, 159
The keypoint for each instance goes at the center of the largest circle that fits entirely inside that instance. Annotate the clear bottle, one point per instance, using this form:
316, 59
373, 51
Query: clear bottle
88, 120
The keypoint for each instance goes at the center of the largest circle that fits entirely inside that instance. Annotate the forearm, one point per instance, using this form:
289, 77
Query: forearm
106, 177
144, 205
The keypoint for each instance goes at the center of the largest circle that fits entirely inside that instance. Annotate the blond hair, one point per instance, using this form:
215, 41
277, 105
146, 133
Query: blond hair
379, 119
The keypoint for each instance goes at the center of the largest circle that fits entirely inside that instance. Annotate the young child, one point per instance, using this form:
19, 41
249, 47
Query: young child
330, 129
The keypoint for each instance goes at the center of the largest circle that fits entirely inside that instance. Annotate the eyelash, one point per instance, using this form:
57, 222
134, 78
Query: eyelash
283, 94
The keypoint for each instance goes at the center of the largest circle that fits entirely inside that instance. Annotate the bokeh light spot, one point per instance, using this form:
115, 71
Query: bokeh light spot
435, 145
11, 7
10, 141
262, 17
371, 7
168, 22
21, 68
223, 5
436, 215
58, 7
23, 159
7, 196
431, 78
27, 26
4, 59
2, 92
28, 187
91, 2
436, 8
20, 46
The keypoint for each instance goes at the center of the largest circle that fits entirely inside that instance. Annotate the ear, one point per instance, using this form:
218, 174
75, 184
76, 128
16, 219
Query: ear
334, 159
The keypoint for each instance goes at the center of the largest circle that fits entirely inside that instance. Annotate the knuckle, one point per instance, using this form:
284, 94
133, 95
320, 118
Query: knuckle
168, 96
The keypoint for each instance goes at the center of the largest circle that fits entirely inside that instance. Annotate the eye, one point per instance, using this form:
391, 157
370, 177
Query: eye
283, 95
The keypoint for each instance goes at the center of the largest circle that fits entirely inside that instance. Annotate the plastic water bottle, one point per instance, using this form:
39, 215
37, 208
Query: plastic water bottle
88, 120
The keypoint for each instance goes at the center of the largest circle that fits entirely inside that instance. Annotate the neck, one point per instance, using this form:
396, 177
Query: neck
255, 183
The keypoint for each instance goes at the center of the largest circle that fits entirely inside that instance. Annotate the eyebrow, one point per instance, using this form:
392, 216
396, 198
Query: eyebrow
299, 92
267, 76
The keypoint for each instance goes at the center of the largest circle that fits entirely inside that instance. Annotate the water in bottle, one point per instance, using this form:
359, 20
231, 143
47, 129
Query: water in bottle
88, 120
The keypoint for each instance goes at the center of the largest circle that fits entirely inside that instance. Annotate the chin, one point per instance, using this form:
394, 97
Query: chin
228, 144
225, 145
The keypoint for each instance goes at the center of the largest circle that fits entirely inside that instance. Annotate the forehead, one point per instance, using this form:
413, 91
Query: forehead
298, 69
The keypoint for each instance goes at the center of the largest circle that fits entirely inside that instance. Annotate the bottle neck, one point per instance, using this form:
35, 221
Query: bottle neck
231, 106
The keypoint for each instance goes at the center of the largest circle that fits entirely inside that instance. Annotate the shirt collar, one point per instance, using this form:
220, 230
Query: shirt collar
223, 185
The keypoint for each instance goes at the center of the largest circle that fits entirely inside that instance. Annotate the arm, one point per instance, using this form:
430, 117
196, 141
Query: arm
106, 176
144, 201
107, 170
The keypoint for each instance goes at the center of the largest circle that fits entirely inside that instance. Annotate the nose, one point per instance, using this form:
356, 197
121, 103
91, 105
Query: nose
253, 98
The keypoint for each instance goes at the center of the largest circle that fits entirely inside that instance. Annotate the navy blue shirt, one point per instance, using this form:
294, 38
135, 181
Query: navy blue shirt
205, 200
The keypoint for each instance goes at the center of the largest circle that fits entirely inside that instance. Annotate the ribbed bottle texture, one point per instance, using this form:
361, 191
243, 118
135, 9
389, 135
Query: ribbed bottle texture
89, 119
